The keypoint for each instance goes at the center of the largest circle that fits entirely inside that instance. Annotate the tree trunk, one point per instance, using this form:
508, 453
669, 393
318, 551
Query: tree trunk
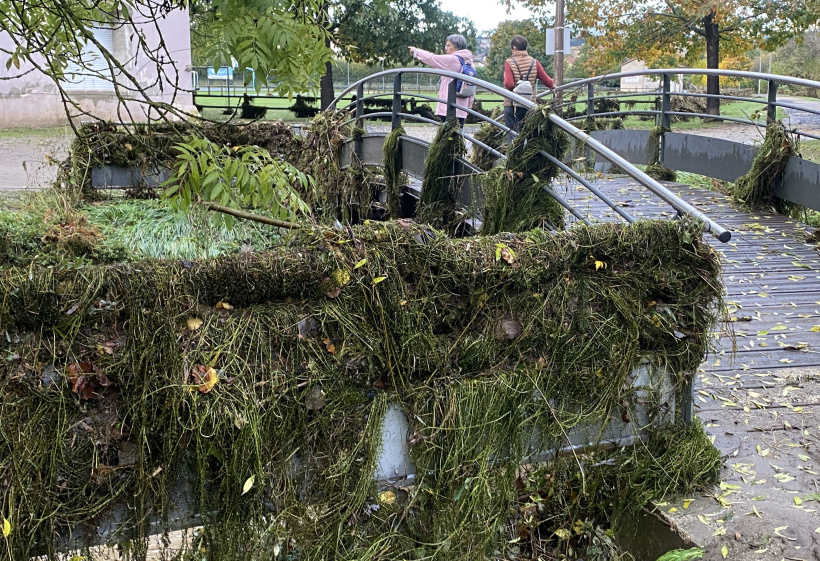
326, 85
327, 95
712, 63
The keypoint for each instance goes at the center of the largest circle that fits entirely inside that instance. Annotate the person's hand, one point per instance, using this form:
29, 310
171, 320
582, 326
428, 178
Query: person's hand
412, 51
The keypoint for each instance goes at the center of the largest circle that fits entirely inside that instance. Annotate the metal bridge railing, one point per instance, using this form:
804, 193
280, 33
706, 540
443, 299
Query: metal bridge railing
663, 96
396, 115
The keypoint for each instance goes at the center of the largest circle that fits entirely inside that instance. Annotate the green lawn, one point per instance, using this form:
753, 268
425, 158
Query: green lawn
35, 132
810, 150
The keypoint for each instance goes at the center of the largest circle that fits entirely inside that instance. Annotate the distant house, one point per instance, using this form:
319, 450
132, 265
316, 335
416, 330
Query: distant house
572, 55
645, 83
29, 98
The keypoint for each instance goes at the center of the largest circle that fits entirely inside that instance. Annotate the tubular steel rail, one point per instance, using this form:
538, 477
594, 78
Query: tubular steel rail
397, 115
664, 94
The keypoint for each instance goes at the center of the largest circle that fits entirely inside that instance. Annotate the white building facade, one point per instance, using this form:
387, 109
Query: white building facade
29, 98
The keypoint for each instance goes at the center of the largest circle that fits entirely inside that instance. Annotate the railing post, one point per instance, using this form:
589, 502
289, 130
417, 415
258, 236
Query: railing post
589, 164
451, 100
359, 104
666, 118
395, 121
666, 102
771, 108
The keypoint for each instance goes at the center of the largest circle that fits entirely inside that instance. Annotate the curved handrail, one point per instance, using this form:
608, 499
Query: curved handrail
664, 93
677, 203
691, 71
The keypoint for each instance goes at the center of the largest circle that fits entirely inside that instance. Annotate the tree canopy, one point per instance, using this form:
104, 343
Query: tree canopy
379, 31
664, 32
799, 58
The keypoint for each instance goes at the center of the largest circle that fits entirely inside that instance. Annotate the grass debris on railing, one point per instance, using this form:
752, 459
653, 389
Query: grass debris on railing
260, 381
493, 137
440, 183
393, 177
654, 168
150, 147
515, 200
758, 185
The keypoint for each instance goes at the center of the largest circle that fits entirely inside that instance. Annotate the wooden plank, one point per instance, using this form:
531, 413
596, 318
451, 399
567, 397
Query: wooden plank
767, 255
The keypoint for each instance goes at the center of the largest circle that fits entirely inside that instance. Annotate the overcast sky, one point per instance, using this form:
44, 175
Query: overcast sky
485, 13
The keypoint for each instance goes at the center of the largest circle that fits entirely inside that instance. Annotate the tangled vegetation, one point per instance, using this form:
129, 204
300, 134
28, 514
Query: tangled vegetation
758, 185
258, 383
393, 177
51, 230
150, 147
515, 200
493, 137
654, 168
441, 182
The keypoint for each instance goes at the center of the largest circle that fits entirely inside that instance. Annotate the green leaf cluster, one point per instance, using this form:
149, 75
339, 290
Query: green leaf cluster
236, 177
282, 42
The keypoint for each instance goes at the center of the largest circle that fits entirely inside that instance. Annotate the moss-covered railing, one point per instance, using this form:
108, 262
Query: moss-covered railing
260, 381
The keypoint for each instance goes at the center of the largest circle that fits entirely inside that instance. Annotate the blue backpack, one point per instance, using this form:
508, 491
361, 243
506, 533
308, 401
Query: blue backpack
464, 89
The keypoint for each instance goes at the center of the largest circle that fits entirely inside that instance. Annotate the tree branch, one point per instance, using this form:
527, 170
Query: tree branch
252, 216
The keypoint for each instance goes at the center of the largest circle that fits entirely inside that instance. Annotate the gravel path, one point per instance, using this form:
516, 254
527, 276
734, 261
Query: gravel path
27, 159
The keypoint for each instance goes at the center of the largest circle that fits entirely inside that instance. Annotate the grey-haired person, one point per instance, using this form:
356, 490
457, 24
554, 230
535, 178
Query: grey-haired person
455, 51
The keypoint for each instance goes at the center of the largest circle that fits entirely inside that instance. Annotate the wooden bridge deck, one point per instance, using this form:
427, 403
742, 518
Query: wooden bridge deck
758, 393
771, 275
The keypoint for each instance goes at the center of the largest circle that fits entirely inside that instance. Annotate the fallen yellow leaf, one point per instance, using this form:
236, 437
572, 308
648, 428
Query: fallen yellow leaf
205, 378
194, 323
563, 534
248, 484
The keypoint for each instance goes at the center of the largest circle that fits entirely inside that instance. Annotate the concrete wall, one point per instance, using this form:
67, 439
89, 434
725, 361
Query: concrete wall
28, 98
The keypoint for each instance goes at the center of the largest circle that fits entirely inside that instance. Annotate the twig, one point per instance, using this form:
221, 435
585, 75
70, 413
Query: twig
251, 216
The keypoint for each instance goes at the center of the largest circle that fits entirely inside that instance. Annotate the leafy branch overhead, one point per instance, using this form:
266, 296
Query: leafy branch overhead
237, 177
281, 40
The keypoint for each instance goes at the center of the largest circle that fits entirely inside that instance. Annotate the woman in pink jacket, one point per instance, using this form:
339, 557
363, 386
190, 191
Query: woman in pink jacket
454, 47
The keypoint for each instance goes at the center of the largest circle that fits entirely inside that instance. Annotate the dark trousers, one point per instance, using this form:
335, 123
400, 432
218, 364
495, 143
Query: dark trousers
443, 119
513, 117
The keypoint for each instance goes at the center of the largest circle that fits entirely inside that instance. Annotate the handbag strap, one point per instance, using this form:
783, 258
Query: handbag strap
515, 62
532, 63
